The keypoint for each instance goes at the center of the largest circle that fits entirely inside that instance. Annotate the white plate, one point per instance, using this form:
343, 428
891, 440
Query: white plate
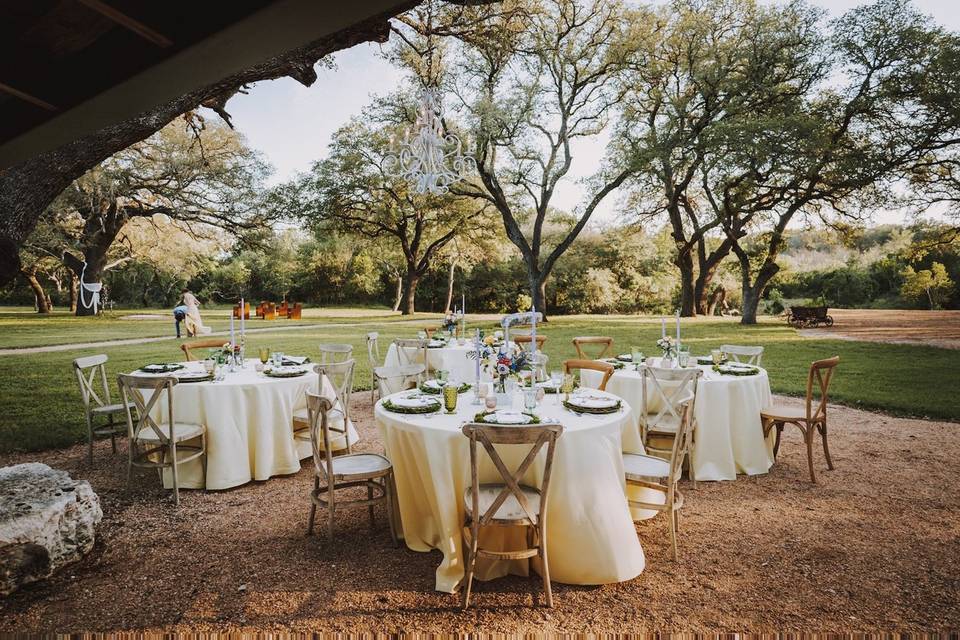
593, 402
294, 361
548, 384
508, 417
436, 344
625, 357
191, 375
414, 402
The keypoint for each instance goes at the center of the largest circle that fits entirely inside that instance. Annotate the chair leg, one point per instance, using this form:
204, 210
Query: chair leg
173, 468
313, 504
370, 507
808, 437
776, 442
388, 489
673, 532
470, 560
89, 439
826, 449
545, 569
331, 512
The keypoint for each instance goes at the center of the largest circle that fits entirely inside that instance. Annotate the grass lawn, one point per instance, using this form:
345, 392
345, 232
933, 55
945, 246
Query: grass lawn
40, 403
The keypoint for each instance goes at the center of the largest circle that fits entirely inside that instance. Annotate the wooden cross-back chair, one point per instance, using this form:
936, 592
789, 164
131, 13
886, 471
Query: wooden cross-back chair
340, 375
811, 418
569, 366
605, 342
430, 330
91, 373
741, 353
211, 343
164, 438
663, 475
365, 470
335, 352
667, 387
410, 350
524, 341
509, 503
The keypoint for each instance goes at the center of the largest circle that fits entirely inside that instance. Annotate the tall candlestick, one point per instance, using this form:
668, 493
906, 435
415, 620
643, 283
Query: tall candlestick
243, 332
463, 304
533, 330
678, 331
232, 339
663, 327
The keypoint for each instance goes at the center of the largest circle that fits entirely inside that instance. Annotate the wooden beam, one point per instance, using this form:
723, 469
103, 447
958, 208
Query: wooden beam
27, 97
124, 20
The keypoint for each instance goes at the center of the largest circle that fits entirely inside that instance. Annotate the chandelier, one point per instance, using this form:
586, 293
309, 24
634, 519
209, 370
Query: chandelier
429, 158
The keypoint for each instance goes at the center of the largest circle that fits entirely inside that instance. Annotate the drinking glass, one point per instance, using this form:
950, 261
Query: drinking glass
636, 355
443, 376
209, 365
277, 358
716, 355
530, 398
490, 402
567, 385
683, 357
450, 396
422, 335
264, 355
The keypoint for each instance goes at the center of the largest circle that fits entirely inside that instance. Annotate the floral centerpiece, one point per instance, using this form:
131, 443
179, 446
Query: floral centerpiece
501, 364
668, 346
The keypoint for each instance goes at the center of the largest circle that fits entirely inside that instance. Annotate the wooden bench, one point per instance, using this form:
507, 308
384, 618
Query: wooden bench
804, 317
246, 311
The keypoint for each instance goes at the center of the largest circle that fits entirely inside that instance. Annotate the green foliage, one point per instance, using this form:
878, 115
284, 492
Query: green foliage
934, 284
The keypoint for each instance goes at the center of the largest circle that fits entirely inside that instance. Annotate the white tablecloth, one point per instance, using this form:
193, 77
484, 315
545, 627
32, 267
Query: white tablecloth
453, 358
729, 437
590, 536
249, 420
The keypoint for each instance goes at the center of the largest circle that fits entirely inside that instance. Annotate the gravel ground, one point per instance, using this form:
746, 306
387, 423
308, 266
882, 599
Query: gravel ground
893, 326
874, 546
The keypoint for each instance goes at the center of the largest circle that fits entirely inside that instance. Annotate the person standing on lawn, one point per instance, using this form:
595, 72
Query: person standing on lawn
179, 315
193, 320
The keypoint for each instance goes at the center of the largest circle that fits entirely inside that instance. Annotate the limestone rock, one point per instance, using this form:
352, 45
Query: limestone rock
47, 520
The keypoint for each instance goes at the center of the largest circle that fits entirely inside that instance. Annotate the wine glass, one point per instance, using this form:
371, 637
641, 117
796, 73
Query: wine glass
567, 385
556, 378
264, 355
450, 396
422, 335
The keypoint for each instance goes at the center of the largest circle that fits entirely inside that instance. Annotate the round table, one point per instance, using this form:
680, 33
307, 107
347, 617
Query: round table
453, 357
729, 436
249, 421
591, 537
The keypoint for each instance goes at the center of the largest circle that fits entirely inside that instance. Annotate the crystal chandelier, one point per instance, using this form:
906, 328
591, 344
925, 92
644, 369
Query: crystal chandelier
428, 158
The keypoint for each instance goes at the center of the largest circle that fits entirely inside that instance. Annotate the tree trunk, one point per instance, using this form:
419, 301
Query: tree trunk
450, 275
753, 293
411, 280
26, 189
716, 299
707, 265
687, 295
41, 301
398, 296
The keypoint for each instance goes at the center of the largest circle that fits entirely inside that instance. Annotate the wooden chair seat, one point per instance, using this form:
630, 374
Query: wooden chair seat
510, 512
118, 407
663, 424
781, 412
301, 418
360, 465
638, 467
182, 431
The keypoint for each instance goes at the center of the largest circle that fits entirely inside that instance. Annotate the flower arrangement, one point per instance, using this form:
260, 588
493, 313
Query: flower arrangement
668, 346
501, 364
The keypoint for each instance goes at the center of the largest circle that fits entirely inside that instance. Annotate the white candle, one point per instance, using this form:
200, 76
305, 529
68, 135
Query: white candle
242, 324
663, 327
232, 340
533, 331
476, 344
463, 304
678, 330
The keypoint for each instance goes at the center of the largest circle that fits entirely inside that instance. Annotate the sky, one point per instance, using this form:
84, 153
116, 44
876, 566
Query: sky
291, 125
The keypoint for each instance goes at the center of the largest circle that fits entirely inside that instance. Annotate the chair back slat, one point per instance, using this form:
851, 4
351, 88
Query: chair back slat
88, 369
409, 350
331, 352
681, 383
524, 341
821, 372
373, 349
318, 408
605, 367
488, 436
751, 355
683, 442
201, 344
340, 375
580, 341
132, 389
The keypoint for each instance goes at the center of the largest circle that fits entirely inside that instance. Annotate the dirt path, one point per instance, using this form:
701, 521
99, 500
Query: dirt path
875, 547
931, 328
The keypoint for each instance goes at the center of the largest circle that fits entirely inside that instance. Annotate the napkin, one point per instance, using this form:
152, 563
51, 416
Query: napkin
295, 360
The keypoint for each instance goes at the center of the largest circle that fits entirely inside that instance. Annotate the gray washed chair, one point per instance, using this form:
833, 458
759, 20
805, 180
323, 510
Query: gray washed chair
91, 372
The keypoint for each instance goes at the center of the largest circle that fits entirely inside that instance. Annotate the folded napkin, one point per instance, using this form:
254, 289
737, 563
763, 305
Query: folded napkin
295, 360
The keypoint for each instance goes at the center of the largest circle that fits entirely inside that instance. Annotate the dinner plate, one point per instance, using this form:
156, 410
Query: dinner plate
593, 402
285, 371
414, 402
161, 368
625, 357
193, 376
507, 417
436, 344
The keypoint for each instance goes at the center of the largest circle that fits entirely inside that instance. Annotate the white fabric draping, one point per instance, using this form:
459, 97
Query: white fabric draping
590, 534
729, 436
249, 420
